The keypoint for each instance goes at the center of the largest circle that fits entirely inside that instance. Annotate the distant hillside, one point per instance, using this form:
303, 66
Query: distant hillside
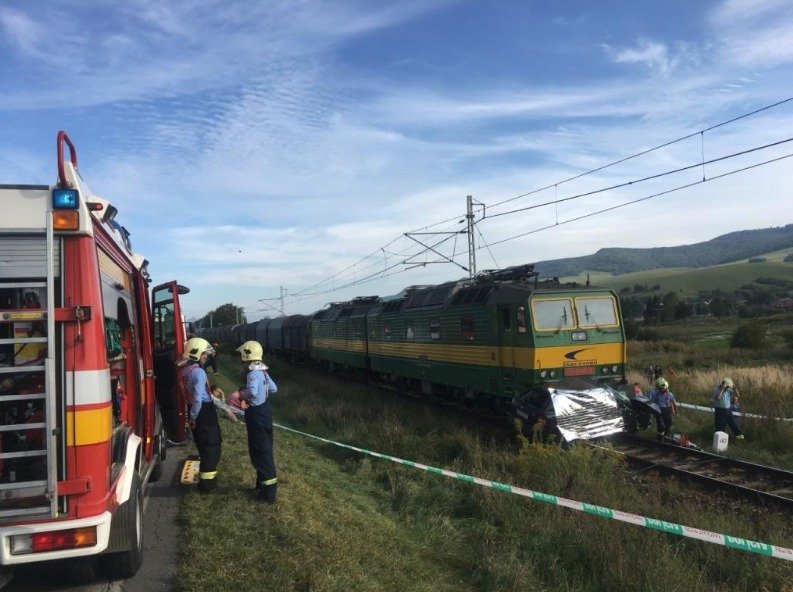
688, 282
726, 248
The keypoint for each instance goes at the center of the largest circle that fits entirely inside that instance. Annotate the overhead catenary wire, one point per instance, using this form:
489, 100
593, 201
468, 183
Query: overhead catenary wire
644, 152
427, 249
703, 163
351, 269
354, 268
487, 246
377, 274
383, 273
644, 179
641, 199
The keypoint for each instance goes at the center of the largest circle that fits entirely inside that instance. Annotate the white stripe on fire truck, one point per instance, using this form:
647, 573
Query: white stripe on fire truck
87, 387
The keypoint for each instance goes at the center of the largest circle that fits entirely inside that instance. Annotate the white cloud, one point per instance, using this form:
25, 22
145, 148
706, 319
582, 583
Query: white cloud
754, 33
650, 53
732, 13
245, 154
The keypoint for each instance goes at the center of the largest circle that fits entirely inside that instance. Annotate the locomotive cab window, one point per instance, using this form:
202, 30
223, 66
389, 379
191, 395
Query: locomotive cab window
467, 328
553, 314
387, 330
435, 329
506, 319
596, 312
409, 330
522, 325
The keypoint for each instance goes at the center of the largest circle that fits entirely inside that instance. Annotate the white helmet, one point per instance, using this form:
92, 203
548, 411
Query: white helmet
195, 347
251, 351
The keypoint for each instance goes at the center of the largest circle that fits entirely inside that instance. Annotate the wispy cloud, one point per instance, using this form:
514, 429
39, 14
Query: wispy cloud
257, 144
651, 54
754, 33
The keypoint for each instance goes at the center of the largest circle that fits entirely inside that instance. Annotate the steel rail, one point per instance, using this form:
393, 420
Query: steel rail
747, 478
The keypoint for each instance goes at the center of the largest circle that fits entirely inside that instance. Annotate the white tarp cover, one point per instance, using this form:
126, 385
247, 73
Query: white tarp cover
586, 414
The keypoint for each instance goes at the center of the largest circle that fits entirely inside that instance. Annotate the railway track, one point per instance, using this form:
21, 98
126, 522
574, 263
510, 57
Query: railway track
755, 481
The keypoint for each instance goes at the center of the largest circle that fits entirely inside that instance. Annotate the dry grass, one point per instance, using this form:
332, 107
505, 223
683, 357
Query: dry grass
348, 522
765, 389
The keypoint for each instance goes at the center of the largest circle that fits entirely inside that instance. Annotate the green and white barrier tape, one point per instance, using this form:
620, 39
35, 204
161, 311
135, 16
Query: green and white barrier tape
651, 523
735, 413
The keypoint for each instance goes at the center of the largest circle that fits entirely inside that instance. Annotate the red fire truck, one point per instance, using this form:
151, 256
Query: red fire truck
87, 378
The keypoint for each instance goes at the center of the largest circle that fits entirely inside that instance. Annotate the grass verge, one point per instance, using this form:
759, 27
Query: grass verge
348, 522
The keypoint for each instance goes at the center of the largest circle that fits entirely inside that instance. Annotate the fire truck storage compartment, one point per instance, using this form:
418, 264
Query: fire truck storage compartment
25, 460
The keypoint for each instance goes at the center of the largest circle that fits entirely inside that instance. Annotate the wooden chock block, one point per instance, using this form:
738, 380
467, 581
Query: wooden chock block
190, 472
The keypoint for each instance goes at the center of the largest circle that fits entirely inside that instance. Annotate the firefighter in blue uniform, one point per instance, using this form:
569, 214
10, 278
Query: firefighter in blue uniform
202, 417
259, 419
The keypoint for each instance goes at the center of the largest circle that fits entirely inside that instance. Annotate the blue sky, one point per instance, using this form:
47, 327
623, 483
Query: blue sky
254, 144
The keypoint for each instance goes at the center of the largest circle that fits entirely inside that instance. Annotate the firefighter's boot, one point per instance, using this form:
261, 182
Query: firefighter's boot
267, 493
207, 485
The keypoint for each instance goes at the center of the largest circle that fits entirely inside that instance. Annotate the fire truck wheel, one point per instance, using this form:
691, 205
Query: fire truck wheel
156, 472
125, 564
79, 571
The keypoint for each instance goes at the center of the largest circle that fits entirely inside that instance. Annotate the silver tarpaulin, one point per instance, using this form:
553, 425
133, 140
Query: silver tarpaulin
586, 414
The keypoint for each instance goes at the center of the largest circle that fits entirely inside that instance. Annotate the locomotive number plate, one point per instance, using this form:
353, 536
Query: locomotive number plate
580, 371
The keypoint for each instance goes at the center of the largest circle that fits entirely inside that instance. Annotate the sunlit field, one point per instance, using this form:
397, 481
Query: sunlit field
349, 522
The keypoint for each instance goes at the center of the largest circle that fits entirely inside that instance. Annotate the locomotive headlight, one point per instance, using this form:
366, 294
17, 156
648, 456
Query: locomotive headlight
543, 373
578, 335
605, 370
614, 368
553, 373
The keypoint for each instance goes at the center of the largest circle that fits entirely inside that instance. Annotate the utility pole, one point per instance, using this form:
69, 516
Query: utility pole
471, 246
270, 302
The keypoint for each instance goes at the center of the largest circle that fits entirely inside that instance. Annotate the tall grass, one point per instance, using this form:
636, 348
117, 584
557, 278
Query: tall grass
345, 521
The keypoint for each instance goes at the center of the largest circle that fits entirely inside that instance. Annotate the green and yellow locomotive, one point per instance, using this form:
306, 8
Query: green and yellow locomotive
486, 338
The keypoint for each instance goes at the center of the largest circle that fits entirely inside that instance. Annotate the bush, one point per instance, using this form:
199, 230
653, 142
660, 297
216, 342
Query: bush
631, 329
787, 337
749, 335
788, 259
758, 260
648, 335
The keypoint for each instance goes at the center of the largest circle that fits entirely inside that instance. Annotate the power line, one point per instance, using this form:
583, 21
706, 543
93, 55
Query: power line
643, 179
484, 242
634, 201
428, 248
354, 268
643, 152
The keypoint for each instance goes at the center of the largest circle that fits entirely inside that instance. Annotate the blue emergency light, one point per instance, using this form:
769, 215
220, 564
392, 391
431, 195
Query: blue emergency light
65, 199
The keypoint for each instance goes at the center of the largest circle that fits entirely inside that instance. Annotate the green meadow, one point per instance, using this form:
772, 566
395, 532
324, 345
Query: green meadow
688, 282
345, 521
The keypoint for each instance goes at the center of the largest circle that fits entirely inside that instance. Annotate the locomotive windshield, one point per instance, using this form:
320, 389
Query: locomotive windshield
596, 312
553, 314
